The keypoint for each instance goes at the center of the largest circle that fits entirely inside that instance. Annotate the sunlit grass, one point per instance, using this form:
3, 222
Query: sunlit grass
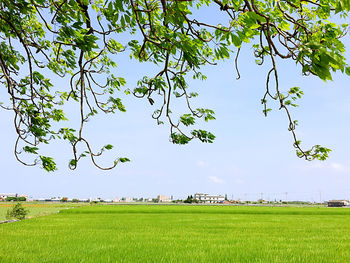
37, 209
180, 234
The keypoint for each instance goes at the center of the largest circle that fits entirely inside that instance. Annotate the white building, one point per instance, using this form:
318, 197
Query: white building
207, 198
129, 200
163, 199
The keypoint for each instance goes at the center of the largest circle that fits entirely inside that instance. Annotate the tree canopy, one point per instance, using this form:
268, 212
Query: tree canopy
79, 40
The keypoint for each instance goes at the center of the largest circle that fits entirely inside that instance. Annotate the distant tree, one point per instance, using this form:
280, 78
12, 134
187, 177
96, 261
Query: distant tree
74, 200
64, 199
11, 198
17, 212
190, 200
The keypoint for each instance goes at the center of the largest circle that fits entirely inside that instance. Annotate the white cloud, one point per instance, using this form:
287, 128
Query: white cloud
215, 180
318, 165
338, 167
201, 164
330, 167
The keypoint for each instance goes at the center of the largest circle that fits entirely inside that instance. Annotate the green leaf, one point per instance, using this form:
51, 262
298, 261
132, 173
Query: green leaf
347, 71
181, 139
187, 119
48, 164
203, 136
108, 147
29, 149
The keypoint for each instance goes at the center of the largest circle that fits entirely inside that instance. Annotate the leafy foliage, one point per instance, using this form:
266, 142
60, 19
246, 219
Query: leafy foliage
17, 212
79, 40
16, 199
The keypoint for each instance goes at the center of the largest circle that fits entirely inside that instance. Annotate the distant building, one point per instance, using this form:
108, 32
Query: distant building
56, 199
116, 200
163, 199
206, 198
338, 203
29, 198
129, 200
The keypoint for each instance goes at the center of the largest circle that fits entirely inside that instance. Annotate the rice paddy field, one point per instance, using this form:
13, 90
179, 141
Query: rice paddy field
174, 233
37, 209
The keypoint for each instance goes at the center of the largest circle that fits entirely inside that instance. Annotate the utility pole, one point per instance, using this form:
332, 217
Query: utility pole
286, 197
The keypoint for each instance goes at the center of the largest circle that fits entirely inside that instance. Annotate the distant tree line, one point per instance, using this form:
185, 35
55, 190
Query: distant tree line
15, 199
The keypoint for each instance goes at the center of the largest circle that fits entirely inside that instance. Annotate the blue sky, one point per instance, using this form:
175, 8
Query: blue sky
251, 157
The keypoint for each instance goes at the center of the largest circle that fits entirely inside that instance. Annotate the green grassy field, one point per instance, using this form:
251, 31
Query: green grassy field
37, 209
180, 234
